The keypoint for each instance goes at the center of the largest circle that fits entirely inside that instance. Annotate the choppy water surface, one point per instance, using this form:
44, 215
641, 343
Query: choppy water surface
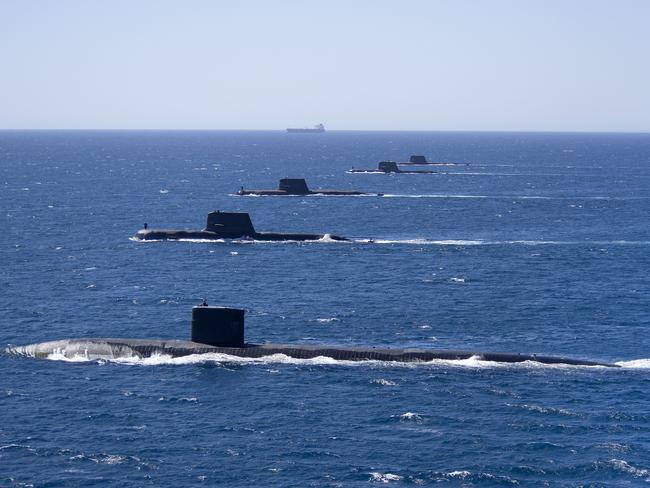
539, 245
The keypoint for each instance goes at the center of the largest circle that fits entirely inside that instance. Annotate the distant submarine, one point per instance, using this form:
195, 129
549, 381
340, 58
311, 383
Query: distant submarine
221, 330
227, 225
306, 130
418, 160
389, 167
298, 186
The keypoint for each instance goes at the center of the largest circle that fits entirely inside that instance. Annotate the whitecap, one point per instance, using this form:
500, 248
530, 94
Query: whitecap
328, 320
411, 417
378, 477
328, 238
635, 364
458, 474
420, 241
479, 242
109, 459
625, 467
545, 410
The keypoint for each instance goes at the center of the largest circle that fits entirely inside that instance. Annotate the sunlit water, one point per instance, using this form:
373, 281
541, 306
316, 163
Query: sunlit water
540, 245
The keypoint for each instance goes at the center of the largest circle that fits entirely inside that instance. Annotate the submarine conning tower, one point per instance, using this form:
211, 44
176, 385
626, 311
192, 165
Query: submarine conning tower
418, 159
218, 326
388, 167
230, 224
293, 185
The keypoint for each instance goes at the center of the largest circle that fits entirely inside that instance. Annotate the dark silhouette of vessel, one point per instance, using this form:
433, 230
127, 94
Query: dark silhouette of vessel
306, 130
418, 160
389, 167
221, 330
227, 225
298, 186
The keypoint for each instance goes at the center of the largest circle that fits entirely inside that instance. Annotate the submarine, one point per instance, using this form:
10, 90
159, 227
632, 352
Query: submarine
389, 167
298, 186
221, 330
422, 161
227, 225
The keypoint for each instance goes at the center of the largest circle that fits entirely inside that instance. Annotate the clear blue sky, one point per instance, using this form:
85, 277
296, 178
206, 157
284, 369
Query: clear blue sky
567, 65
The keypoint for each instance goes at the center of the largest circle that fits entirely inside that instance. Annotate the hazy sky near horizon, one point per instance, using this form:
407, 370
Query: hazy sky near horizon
550, 65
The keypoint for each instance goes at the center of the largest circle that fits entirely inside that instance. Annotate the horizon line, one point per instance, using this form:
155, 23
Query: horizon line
486, 131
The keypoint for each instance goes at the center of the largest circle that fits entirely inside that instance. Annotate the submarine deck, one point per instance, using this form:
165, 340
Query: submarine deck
113, 348
311, 192
176, 234
433, 163
401, 171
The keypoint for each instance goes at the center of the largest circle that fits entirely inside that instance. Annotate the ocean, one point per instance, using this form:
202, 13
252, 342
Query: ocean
534, 243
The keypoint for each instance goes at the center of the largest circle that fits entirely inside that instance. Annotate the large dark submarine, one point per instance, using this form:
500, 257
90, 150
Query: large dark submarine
298, 186
389, 167
227, 225
221, 330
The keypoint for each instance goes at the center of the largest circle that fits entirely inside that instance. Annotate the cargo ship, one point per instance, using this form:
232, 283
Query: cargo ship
316, 128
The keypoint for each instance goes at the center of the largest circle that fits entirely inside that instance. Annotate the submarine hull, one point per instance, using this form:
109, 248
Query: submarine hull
401, 171
227, 225
298, 187
280, 193
173, 234
123, 348
409, 163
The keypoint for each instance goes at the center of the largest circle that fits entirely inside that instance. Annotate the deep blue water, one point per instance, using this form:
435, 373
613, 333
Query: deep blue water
539, 245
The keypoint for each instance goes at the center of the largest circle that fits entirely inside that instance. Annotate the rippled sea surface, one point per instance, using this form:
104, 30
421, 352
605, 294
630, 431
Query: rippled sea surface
539, 245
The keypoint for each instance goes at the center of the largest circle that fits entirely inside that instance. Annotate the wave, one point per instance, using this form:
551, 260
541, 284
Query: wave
464, 196
634, 364
411, 417
384, 382
545, 410
625, 467
378, 477
328, 320
473, 173
480, 242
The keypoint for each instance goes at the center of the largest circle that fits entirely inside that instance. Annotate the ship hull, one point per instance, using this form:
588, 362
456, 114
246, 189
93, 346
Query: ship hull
144, 348
174, 235
373, 170
408, 163
280, 193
